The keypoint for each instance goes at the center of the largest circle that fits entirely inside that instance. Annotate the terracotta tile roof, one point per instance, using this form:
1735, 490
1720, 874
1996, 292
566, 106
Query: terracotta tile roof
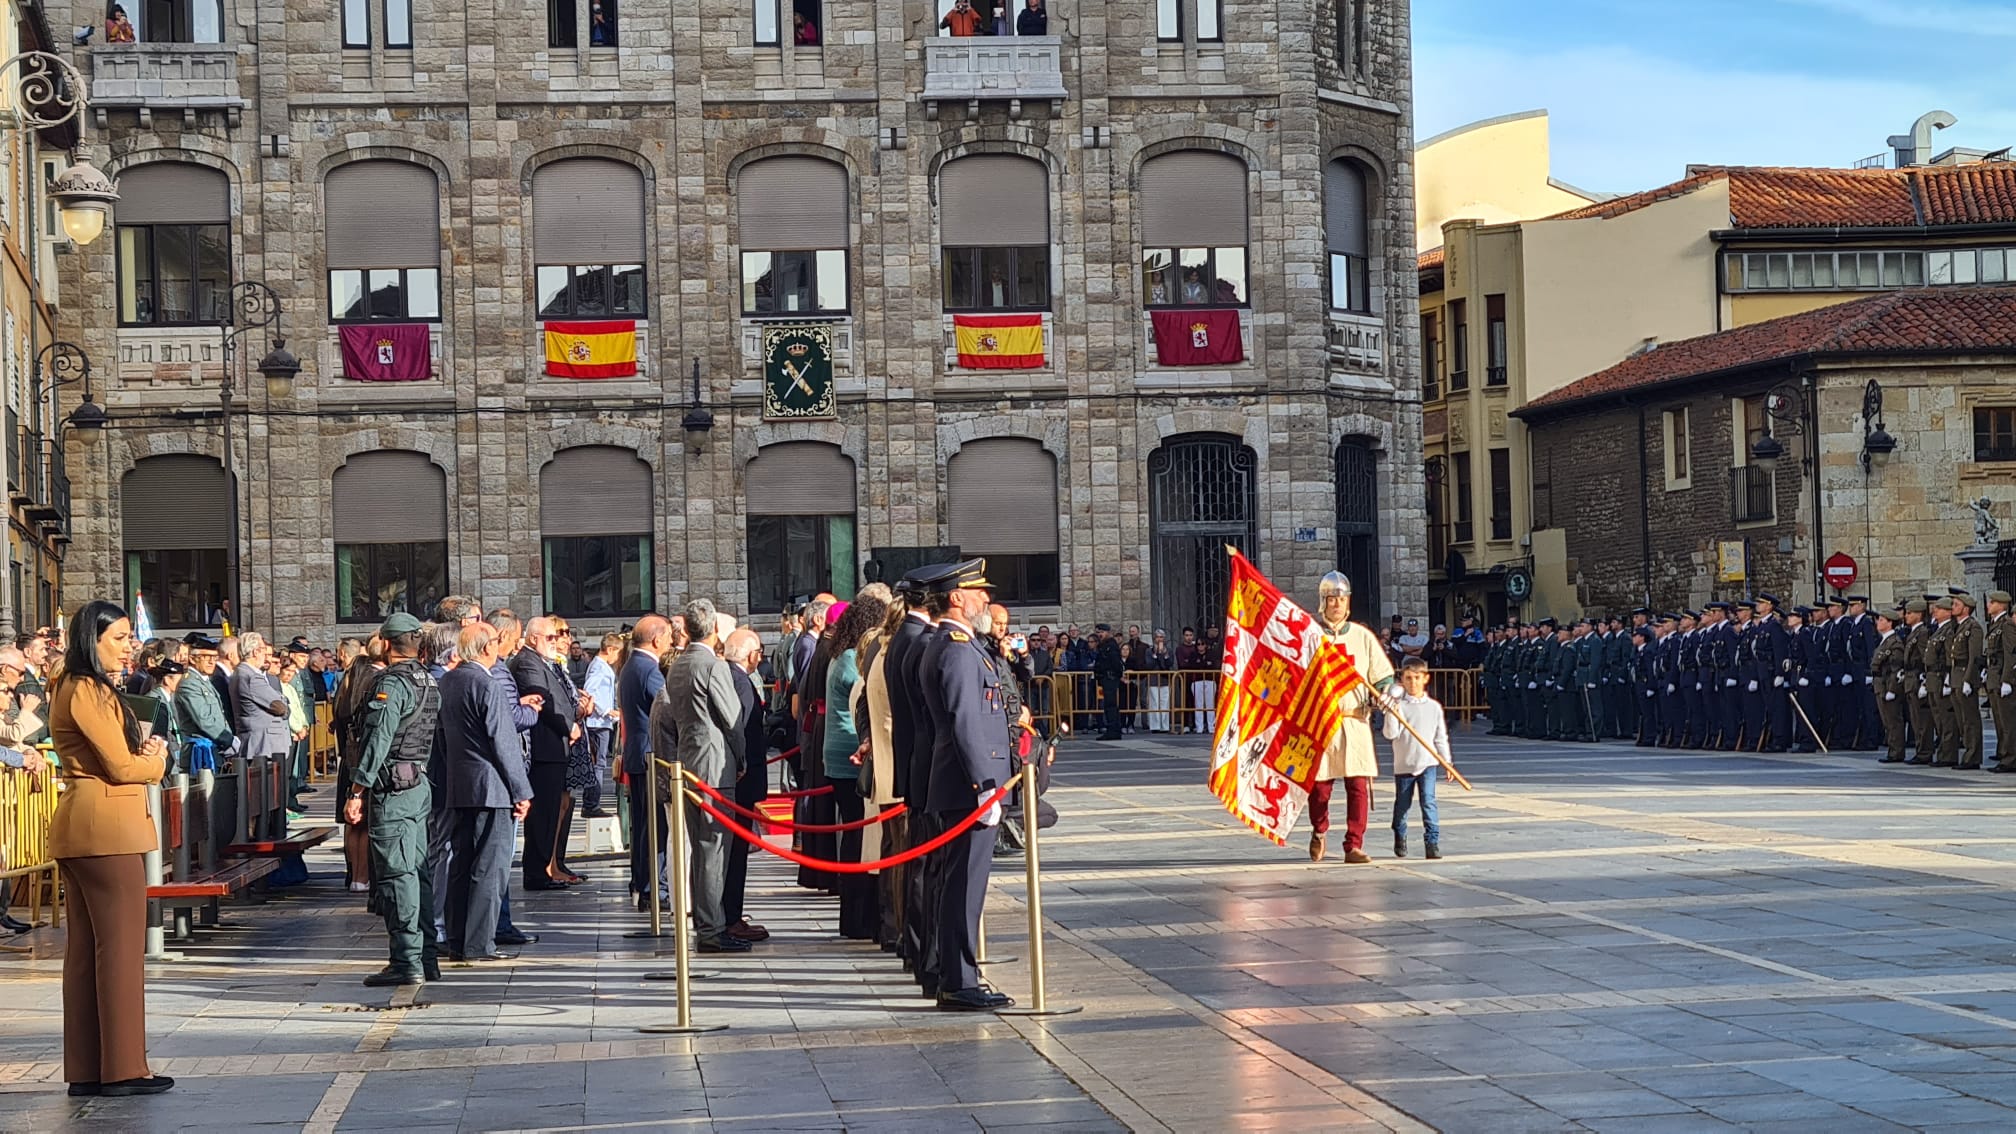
1774, 197
1433, 258
1945, 320
1428, 268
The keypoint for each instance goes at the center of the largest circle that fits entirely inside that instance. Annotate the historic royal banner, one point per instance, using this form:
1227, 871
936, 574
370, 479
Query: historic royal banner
605, 349
999, 342
1280, 701
385, 352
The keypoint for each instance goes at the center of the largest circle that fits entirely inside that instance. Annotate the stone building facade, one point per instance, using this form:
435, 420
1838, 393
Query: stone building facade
668, 158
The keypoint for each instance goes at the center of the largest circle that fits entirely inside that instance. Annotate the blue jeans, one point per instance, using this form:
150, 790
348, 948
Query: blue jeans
1404, 788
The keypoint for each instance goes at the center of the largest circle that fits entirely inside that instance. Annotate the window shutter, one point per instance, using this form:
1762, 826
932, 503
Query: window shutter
172, 503
792, 204
390, 496
1003, 495
1344, 215
588, 211
1193, 199
595, 490
382, 214
993, 201
173, 192
800, 478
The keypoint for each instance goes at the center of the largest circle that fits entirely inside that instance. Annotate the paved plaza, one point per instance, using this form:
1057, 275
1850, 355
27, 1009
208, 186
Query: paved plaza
1621, 939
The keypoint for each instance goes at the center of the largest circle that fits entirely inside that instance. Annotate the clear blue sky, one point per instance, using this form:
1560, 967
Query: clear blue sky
1640, 89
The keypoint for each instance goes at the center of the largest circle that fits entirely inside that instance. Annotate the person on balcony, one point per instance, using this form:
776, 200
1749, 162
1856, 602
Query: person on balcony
962, 20
1033, 19
118, 29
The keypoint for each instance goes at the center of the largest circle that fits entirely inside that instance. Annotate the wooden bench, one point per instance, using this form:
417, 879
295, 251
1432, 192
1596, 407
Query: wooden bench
296, 843
184, 884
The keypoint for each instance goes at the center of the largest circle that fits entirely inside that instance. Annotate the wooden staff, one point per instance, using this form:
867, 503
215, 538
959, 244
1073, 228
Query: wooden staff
1794, 698
1386, 703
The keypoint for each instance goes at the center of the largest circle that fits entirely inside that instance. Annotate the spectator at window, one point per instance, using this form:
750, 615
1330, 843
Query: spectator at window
601, 32
119, 29
806, 33
997, 287
962, 20
1033, 20
1193, 286
985, 9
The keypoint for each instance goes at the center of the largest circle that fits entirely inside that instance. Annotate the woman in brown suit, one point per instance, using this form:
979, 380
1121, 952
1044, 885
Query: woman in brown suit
102, 828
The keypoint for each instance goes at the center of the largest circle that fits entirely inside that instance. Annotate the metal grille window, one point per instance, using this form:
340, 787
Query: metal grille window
391, 527
1495, 352
174, 244
1751, 494
1358, 520
1459, 346
383, 224
1193, 226
1995, 433
1202, 496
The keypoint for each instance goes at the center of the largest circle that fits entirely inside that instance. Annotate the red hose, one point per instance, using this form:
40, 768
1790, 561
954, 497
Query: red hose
910, 855
787, 825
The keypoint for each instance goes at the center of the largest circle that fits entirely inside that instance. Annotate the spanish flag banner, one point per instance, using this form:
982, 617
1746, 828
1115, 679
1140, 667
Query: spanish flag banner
999, 342
592, 350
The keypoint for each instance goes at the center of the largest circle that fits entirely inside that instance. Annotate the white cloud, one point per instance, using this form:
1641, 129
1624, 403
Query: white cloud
1624, 120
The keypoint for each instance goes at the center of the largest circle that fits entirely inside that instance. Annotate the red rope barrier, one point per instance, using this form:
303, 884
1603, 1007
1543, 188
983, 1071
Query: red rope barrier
787, 825
806, 793
783, 756
912, 854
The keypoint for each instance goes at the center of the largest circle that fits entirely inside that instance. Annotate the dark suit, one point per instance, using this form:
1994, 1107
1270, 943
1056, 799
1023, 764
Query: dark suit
751, 744
705, 713
911, 732
636, 687
479, 777
549, 748
962, 690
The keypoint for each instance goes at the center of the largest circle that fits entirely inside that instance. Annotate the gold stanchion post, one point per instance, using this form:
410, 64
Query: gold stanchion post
682, 937
1039, 1004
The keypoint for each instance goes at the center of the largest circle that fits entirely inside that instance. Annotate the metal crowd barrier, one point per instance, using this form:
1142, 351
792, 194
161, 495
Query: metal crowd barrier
1461, 692
322, 744
1160, 700
27, 804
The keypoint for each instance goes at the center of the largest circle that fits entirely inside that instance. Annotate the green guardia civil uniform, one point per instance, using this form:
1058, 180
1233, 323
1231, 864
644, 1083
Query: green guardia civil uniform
396, 738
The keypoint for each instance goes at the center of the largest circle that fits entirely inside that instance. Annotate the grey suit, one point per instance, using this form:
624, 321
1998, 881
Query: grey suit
481, 776
253, 693
703, 709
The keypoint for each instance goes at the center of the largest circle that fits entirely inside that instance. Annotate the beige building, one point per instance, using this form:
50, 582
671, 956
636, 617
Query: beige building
1492, 171
706, 176
1555, 299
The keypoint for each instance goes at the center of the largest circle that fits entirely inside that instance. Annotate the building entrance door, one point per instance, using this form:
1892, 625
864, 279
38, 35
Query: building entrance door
1202, 495
1358, 525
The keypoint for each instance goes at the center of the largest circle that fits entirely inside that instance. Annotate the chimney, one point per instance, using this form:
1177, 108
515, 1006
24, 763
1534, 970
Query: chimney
1915, 148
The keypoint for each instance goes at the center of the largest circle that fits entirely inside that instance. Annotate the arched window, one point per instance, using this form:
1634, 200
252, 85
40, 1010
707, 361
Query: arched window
1003, 504
383, 221
595, 527
588, 239
172, 523
391, 529
994, 228
174, 222
793, 233
1193, 230
1347, 227
801, 523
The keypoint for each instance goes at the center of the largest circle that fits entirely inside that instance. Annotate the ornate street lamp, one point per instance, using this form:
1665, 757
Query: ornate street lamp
1877, 444
48, 92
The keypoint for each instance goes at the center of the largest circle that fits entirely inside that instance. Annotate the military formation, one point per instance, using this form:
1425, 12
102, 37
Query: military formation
1749, 676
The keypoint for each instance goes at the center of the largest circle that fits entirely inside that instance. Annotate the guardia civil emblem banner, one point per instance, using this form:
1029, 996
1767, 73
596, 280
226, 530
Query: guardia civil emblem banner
385, 352
605, 349
1280, 701
798, 371
999, 342
1189, 336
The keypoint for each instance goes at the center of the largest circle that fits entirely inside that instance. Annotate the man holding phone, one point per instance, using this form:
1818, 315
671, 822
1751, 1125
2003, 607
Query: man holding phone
962, 20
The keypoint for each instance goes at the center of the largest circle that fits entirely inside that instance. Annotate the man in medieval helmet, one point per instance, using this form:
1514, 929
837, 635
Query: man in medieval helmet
1349, 755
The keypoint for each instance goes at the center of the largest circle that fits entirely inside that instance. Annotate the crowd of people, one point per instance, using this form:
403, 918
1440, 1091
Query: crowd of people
995, 17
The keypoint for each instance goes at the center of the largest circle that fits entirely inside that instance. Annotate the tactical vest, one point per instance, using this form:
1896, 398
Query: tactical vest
406, 767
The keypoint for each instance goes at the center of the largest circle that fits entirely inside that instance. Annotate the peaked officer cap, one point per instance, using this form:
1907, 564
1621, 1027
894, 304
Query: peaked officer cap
1999, 596
1767, 596
970, 575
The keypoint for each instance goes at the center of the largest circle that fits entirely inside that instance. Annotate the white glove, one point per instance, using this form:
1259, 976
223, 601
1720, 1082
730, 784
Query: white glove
1803, 683
1889, 696
1669, 687
993, 815
1869, 680
1697, 687
1946, 691
2006, 690
1827, 681
1752, 688
1592, 685
1532, 685
1777, 683
1650, 692
1730, 682
1966, 690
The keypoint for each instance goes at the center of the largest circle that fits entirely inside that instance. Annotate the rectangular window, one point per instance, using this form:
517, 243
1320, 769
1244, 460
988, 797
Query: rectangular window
184, 586
795, 557
377, 580
1995, 433
1463, 512
1679, 465
1751, 494
591, 291
1209, 21
1994, 265
358, 295
1431, 360
1755, 421
789, 283
560, 30
1025, 579
1169, 20
1964, 268
173, 274
1438, 530
1350, 283
1194, 277
1501, 494
356, 23
602, 23
997, 279
595, 576
183, 21
1494, 340
399, 22
766, 23
1459, 346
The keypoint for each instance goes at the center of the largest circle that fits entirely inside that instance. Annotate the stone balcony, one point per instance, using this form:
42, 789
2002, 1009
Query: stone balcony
165, 78
975, 69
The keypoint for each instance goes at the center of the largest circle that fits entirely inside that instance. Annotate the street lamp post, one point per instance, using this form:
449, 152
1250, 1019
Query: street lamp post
248, 306
48, 92
1795, 407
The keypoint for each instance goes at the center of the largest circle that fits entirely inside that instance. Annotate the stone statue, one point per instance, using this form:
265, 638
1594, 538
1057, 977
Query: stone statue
1987, 533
